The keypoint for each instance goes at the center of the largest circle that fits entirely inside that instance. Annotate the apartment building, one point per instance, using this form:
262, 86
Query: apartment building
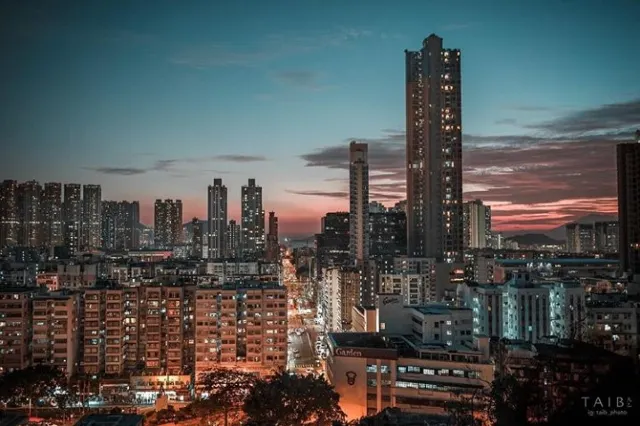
77, 275
104, 332
161, 312
241, 325
15, 328
416, 289
613, 323
55, 339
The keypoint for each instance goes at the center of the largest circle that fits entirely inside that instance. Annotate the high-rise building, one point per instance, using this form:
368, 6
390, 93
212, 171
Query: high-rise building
332, 243
607, 236
196, 238
434, 152
167, 221
234, 233
358, 203
252, 239
51, 215
29, 201
477, 225
388, 234
72, 216
120, 225
629, 205
9, 219
91, 216
580, 237
273, 244
217, 217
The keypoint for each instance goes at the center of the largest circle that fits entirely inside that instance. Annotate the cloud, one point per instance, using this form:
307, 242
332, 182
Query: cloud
122, 171
172, 165
270, 48
302, 79
331, 194
240, 158
533, 181
611, 117
507, 121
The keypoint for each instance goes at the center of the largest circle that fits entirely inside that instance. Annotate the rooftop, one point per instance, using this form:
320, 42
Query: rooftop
245, 285
359, 340
437, 309
111, 420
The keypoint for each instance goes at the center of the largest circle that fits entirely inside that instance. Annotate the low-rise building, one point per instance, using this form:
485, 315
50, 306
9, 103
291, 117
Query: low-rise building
372, 372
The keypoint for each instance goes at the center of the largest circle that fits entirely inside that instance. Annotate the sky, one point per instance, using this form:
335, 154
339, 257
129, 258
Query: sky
156, 99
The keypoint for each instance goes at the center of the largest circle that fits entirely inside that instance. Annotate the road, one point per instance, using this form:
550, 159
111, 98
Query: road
300, 316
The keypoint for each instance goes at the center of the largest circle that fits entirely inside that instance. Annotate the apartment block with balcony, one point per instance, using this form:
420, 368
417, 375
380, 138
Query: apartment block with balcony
55, 339
15, 328
104, 332
161, 329
241, 325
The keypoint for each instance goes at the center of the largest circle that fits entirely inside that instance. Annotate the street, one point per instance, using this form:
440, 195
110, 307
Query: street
300, 317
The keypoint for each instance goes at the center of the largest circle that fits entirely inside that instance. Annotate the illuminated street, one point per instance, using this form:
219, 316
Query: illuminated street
302, 334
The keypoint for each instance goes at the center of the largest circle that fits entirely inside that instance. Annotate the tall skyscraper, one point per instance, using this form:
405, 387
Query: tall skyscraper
9, 220
167, 223
629, 205
29, 211
273, 244
196, 238
252, 238
72, 216
358, 203
434, 152
217, 217
477, 224
52, 215
91, 216
120, 225
233, 239
607, 236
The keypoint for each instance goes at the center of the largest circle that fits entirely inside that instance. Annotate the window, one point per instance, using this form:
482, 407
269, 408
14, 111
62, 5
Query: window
428, 371
372, 368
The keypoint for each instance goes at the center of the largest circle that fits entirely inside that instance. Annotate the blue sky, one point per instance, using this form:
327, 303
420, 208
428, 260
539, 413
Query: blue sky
157, 99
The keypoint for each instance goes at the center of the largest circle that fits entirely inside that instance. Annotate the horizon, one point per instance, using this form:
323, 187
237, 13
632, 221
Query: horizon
156, 101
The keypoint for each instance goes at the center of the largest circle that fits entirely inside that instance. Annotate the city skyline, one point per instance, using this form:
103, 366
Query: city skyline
157, 102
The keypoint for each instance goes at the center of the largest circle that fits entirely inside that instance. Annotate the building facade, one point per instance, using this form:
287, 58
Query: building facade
52, 215
477, 225
434, 152
273, 243
91, 216
9, 219
628, 163
358, 203
217, 217
167, 223
252, 239
259, 346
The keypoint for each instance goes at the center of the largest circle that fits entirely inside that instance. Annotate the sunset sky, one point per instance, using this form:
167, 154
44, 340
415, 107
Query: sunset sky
156, 100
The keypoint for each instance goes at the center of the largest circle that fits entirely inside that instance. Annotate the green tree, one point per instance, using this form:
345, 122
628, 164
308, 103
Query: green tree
227, 389
286, 399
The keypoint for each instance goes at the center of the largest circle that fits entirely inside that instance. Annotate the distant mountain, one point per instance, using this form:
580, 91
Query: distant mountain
534, 239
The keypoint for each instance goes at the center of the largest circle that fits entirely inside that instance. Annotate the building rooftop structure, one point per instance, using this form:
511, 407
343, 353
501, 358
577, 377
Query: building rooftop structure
111, 420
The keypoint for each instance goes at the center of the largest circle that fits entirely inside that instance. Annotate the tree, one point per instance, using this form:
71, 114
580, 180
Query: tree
32, 384
226, 389
286, 399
